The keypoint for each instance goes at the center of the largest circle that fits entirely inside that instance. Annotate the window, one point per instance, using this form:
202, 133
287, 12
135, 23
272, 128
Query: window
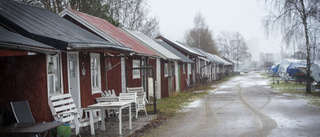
136, 72
184, 68
165, 69
54, 74
95, 73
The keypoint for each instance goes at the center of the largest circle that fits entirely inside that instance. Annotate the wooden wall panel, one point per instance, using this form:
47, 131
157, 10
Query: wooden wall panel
114, 75
4, 53
25, 78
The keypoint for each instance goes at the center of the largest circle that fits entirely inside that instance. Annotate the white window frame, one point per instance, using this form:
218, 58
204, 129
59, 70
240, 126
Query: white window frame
136, 72
166, 71
51, 75
95, 85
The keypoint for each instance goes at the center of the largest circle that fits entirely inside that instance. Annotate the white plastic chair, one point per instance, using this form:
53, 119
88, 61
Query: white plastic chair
141, 99
129, 97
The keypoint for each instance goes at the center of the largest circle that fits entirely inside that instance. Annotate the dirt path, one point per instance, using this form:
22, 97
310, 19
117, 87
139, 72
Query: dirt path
244, 106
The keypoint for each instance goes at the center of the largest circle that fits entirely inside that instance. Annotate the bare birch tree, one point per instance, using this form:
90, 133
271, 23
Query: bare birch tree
233, 46
223, 42
200, 36
239, 48
297, 21
133, 14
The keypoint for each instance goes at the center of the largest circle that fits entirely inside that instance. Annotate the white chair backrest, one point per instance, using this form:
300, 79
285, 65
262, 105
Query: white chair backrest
102, 94
128, 97
113, 93
141, 96
109, 92
60, 104
106, 93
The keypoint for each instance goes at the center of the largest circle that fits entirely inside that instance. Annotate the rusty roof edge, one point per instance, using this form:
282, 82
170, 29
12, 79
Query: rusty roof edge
89, 25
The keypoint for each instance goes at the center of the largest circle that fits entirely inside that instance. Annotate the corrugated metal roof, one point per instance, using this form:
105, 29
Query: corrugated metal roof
108, 31
173, 50
222, 60
161, 51
228, 60
178, 45
13, 41
47, 27
207, 55
190, 49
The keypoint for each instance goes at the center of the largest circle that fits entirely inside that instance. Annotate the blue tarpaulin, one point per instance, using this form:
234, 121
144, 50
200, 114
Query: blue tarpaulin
275, 68
293, 67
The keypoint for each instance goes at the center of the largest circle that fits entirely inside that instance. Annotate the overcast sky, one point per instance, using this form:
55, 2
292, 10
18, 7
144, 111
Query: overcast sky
244, 16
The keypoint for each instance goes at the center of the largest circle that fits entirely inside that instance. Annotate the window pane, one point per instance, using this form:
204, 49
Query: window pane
165, 69
51, 79
136, 72
57, 73
54, 74
92, 72
95, 72
72, 68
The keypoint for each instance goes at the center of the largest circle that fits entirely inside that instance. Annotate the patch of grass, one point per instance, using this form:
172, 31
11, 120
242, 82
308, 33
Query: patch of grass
296, 89
169, 106
290, 87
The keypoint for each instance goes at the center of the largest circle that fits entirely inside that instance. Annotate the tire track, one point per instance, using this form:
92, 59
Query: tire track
209, 119
269, 100
268, 124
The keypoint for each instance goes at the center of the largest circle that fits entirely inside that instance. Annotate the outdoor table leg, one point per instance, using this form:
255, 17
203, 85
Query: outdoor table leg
103, 116
130, 127
120, 121
91, 121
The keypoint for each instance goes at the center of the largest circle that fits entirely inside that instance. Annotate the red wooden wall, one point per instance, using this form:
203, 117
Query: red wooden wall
25, 78
85, 81
12, 53
164, 81
114, 75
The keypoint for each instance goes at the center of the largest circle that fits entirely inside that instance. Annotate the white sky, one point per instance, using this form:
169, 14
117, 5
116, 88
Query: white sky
244, 16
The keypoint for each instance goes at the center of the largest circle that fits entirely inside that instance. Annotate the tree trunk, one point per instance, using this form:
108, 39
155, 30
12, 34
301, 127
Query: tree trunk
305, 24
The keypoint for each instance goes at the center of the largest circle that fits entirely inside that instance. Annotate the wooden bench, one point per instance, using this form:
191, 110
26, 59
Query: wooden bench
64, 110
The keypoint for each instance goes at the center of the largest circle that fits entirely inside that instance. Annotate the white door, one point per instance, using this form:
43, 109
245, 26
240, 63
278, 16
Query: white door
73, 71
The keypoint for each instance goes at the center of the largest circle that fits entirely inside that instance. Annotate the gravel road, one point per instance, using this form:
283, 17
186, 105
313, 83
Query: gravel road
245, 106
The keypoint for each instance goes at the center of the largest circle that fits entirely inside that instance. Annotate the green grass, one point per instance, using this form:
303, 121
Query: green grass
290, 87
295, 89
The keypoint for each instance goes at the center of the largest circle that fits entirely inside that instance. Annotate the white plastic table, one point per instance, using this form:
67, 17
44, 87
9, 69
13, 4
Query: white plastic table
109, 105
